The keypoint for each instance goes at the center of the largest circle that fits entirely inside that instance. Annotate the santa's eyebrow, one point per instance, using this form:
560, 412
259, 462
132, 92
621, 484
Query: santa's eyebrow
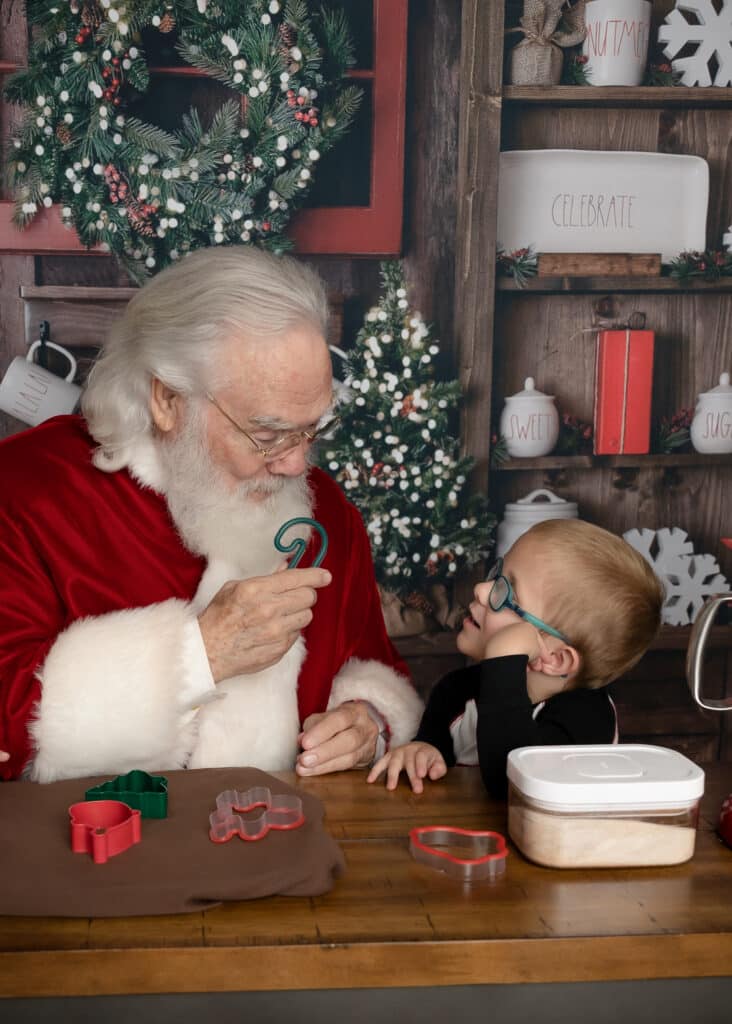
271, 423
277, 423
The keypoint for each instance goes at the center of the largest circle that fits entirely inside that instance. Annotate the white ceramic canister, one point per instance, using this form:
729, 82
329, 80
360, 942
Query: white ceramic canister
529, 422
711, 428
519, 516
616, 44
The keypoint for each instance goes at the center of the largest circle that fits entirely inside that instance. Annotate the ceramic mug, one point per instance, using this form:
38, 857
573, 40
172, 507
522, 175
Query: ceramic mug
33, 394
616, 44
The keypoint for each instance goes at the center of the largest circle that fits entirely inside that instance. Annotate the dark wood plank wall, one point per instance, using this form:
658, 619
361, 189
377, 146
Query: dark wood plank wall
14, 270
456, 123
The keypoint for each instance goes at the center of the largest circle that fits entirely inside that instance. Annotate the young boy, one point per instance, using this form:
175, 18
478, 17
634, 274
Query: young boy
569, 609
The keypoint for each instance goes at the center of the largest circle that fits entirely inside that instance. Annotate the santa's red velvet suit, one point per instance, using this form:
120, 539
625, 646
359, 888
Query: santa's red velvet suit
102, 664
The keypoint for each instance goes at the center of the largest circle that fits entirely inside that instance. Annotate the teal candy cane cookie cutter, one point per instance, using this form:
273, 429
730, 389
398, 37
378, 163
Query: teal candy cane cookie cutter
298, 545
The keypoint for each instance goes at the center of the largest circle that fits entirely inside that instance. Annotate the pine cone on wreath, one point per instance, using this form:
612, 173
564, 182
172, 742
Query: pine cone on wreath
167, 22
287, 35
288, 40
63, 134
91, 15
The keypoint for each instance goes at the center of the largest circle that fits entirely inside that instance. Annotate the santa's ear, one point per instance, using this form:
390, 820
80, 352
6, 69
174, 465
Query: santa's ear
165, 405
561, 660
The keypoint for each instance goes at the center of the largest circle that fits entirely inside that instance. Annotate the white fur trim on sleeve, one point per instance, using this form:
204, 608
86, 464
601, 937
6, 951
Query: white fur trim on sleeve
117, 693
392, 695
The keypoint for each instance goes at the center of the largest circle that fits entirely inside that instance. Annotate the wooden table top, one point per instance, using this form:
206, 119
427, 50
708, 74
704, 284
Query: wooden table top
393, 922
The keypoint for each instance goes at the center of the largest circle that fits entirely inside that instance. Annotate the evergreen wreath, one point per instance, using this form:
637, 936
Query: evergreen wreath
150, 195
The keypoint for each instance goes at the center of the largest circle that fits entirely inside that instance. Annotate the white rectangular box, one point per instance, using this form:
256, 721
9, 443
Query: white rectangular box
574, 200
614, 805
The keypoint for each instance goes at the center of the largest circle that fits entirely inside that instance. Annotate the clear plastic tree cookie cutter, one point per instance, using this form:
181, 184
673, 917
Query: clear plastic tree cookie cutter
436, 846
281, 812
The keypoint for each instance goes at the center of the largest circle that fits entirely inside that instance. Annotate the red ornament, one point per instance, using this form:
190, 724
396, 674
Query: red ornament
115, 61
265, 225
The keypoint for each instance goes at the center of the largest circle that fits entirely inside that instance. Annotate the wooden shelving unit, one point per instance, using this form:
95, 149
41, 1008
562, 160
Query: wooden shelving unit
551, 285
684, 460
506, 333
618, 96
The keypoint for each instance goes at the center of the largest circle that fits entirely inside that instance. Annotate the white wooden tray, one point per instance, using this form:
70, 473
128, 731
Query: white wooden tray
574, 200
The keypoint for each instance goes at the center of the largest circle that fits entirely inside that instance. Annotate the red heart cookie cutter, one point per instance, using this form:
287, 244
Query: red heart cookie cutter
486, 852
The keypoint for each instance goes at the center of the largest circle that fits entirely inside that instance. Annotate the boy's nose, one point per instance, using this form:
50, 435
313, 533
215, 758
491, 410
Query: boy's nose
481, 592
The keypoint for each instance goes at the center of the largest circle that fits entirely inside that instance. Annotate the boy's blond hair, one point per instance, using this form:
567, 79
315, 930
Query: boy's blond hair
601, 593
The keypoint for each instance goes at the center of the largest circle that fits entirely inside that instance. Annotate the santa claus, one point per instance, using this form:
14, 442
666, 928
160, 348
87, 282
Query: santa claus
147, 619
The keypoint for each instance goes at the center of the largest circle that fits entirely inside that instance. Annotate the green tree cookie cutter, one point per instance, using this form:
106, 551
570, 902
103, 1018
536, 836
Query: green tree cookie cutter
145, 793
298, 545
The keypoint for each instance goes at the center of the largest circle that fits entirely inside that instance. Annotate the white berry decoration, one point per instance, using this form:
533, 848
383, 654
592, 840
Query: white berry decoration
711, 31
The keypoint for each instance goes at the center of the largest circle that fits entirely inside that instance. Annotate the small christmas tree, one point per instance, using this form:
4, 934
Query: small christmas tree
396, 456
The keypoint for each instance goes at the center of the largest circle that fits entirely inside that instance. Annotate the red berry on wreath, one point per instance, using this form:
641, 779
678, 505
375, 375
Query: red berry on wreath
265, 225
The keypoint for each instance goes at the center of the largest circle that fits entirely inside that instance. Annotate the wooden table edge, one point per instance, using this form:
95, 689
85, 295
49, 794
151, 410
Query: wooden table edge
364, 965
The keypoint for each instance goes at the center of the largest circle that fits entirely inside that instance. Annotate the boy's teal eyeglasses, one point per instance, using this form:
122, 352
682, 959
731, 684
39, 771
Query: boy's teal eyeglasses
501, 596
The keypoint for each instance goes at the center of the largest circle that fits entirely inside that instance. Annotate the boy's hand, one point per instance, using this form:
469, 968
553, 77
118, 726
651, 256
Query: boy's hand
518, 638
418, 760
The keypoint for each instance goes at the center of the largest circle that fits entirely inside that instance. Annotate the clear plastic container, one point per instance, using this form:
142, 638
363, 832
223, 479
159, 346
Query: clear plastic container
626, 805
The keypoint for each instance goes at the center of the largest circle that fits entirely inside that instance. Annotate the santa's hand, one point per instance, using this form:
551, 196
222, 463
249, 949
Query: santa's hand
251, 624
4, 755
419, 760
337, 740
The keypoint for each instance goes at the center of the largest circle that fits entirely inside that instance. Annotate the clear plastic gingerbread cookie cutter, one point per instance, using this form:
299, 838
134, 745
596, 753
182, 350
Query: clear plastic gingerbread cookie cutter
281, 812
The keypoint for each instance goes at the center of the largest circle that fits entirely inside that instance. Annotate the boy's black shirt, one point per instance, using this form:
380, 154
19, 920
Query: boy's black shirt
506, 715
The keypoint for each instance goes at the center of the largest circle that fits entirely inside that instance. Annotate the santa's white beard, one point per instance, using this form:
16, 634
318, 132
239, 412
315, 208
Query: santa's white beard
232, 526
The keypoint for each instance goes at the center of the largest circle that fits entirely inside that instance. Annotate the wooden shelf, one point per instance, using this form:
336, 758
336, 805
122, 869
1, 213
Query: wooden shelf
682, 460
550, 285
670, 638
618, 96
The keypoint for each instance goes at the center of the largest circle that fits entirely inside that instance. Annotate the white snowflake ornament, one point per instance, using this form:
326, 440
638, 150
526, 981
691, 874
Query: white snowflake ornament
689, 579
711, 31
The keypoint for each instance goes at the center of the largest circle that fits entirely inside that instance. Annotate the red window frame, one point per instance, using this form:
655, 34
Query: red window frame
373, 230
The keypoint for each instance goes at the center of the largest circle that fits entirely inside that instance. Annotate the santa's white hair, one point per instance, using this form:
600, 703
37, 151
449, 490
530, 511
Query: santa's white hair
175, 327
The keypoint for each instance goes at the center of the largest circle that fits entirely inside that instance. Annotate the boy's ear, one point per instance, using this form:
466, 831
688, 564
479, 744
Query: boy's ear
562, 660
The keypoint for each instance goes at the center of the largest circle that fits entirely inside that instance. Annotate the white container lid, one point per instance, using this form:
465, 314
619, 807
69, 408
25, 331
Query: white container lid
530, 392
615, 776
723, 390
531, 510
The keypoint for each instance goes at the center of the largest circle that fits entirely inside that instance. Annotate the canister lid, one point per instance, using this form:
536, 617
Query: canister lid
722, 390
542, 504
530, 391
605, 775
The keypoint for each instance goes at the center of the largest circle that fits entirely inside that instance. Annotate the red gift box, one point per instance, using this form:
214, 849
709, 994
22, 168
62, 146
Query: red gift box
623, 384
